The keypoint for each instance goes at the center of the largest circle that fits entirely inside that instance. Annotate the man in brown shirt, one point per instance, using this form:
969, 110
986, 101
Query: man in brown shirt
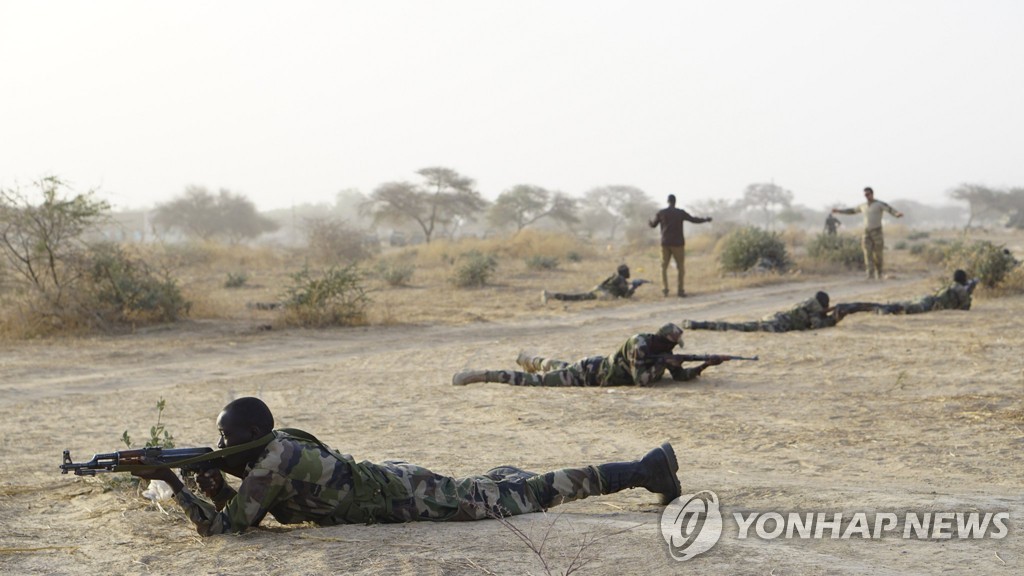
673, 244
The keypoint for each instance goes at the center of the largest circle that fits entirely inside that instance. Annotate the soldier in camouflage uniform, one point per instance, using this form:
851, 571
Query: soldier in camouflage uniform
873, 242
810, 314
615, 286
296, 478
641, 361
956, 296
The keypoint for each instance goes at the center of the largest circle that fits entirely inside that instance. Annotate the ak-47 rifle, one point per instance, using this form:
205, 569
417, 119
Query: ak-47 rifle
639, 282
189, 460
715, 358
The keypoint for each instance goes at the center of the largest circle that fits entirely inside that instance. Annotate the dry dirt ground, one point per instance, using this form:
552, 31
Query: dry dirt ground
879, 414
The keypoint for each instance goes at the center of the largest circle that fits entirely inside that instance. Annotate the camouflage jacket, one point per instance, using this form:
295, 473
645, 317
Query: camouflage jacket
807, 315
953, 297
295, 480
634, 363
616, 285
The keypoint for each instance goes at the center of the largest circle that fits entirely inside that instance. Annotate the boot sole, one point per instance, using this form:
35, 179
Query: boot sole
673, 467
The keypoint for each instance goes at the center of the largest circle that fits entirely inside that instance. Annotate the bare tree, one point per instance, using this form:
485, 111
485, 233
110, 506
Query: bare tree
443, 201
43, 242
524, 204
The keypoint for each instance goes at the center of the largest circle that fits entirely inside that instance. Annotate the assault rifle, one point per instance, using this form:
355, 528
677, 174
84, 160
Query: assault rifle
972, 285
189, 460
676, 359
639, 282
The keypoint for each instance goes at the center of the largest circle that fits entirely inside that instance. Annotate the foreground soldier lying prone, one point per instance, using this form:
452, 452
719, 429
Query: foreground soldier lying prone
296, 478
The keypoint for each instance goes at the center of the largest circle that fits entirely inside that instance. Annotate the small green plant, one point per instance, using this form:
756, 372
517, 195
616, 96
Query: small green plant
574, 257
159, 436
541, 263
395, 273
900, 245
334, 297
236, 280
750, 246
917, 249
476, 269
918, 235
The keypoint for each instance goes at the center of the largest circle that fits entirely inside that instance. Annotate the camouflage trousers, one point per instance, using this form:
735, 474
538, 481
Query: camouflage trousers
592, 295
751, 326
539, 371
505, 491
873, 243
925, 304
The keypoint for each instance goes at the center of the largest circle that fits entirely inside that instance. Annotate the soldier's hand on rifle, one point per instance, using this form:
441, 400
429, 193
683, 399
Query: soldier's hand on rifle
210, 482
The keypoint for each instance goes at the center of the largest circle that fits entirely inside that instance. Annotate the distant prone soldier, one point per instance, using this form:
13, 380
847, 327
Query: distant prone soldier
811, 314
617, 285
641, 361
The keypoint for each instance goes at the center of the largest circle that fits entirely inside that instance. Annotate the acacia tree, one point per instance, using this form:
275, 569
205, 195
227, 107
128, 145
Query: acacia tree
43, 242
199, 214
442, 201
524, 204
983, 203
769, 198
610, 207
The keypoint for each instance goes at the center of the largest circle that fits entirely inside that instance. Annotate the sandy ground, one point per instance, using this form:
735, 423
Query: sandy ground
880, 414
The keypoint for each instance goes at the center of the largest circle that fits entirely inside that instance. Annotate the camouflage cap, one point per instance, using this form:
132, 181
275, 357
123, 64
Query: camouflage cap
671, 332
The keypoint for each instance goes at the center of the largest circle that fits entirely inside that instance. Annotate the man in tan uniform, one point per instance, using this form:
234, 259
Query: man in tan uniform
872, 242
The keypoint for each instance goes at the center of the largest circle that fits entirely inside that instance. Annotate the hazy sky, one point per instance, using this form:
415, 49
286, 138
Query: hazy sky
290, 102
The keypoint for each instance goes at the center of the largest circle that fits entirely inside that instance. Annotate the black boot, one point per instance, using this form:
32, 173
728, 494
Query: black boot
655, 472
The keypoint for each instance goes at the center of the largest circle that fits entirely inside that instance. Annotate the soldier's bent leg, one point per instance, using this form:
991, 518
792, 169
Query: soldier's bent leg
535, 364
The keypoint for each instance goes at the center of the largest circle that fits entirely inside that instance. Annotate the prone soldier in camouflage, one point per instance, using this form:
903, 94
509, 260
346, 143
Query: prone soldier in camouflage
956, 296
296, 478
640, 361
617, 285
810, 314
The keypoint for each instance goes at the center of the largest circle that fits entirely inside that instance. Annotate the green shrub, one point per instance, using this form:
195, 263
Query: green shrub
917, 249
843, 250
236, 280
395, 273
541, 263
918, 235
335, 297
980, 259
900, 245
475, 270
159, 436
747, 247
574, 257
125, 289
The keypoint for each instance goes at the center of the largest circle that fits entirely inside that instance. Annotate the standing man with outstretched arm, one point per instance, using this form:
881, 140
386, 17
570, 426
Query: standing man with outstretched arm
872, 241
673, 243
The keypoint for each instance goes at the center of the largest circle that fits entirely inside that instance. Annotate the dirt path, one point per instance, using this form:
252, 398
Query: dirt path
880, 414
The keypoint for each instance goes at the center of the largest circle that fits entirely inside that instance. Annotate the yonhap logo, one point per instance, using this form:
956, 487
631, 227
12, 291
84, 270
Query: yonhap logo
691, 524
